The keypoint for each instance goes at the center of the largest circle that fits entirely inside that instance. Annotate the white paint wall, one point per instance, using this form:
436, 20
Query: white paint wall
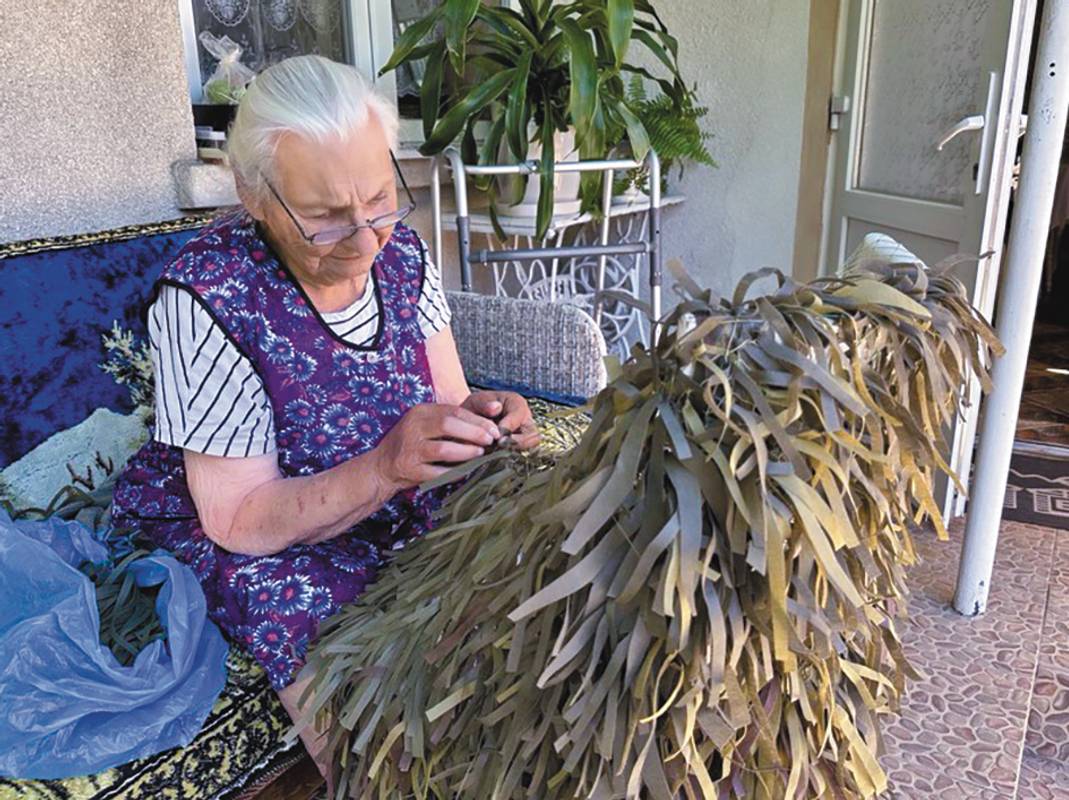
748, 58
94, 110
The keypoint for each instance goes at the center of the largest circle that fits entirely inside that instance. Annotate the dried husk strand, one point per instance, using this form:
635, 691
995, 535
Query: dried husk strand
702, 597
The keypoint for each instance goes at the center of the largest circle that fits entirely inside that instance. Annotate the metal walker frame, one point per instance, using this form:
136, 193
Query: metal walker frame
651, 247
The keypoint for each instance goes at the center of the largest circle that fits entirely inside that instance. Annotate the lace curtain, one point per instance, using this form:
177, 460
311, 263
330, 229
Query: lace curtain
410, 75
271, 30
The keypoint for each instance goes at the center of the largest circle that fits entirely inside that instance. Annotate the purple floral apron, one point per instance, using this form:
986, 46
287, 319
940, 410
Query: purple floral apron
331, 401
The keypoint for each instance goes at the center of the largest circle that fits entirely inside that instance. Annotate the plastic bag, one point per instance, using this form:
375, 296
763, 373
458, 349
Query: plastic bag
69, 707
227, 84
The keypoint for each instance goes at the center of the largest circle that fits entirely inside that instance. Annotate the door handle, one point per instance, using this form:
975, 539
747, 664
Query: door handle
977, 122
973, 123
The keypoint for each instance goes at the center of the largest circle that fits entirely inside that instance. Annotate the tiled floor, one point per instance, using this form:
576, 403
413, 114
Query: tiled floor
1040, 782
961, 733
1048, 725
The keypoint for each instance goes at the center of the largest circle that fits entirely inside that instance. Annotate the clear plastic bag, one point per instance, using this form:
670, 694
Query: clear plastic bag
70, 708
227, 84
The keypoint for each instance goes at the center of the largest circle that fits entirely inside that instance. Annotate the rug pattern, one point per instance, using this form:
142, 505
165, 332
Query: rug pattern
1038, 490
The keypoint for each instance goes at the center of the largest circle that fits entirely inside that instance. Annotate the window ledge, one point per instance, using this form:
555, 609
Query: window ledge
203, 184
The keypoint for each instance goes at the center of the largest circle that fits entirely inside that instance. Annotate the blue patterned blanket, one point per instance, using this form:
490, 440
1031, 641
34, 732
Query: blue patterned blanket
59, 296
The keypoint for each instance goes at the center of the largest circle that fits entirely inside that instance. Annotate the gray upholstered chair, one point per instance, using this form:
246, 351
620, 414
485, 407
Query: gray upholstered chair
554, 350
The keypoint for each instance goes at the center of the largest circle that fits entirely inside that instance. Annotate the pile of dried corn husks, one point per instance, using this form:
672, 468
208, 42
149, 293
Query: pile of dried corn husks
703, 597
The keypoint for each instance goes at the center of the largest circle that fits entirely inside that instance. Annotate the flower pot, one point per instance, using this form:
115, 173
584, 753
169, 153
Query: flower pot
565, 185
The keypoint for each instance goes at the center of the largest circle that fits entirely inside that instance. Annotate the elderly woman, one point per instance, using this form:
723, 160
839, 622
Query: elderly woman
306, 378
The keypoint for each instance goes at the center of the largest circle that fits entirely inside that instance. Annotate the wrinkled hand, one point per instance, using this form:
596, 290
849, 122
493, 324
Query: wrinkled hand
510, 411
428, 436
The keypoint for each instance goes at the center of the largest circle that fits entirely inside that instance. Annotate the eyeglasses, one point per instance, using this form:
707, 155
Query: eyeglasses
335, 235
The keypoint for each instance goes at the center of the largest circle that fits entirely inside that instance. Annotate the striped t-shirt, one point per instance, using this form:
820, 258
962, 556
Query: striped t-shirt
209, 398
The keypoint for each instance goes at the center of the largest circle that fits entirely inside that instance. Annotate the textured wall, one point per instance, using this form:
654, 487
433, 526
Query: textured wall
94, 110
749, 61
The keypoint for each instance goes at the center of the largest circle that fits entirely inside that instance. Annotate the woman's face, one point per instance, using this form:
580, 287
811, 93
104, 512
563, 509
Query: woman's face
329, 185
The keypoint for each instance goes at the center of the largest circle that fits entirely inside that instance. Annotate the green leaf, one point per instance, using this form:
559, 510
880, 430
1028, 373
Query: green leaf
459, 15
454, 120
584, 77
661, 33
495, 222
636, 131
656, 48
505, 20
621, 14
469, 150
410, 39
430, 94
517, 111
489, 149
545, 176
669, 88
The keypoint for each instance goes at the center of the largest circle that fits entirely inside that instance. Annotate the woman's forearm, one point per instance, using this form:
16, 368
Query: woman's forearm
305, 510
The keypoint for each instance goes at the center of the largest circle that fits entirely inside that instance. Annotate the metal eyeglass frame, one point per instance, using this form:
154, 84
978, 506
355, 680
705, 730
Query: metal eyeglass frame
318, 239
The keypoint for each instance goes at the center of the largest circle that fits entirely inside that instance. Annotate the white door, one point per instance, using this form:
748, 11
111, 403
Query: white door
913, 74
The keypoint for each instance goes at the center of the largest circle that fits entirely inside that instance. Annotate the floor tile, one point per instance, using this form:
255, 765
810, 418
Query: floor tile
1007, 632
1043, 779
1048, 720
962, 727
907, 786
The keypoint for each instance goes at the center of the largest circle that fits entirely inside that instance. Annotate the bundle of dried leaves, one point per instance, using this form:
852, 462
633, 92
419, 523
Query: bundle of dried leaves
702, 598
129, 621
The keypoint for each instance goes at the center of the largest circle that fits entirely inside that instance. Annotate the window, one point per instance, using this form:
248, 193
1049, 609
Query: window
266, 30
361, 32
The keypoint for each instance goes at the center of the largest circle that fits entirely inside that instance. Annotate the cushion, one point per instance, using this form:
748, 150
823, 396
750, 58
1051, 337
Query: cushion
547, 350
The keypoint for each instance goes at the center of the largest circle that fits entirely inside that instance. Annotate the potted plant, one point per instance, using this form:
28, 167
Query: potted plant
673, 128
535, 72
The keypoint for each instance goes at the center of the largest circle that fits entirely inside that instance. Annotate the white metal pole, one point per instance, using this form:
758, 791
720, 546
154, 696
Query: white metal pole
436, 205
606, 220
657, 256
1016, 307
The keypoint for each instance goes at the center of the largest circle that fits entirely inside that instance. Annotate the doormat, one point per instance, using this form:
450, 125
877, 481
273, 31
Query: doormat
1038, 488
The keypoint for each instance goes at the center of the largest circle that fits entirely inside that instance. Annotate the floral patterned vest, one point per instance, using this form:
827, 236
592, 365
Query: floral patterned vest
331, 400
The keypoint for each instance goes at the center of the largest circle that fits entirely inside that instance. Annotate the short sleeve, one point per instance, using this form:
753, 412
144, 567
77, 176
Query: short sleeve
434, 313
209, 398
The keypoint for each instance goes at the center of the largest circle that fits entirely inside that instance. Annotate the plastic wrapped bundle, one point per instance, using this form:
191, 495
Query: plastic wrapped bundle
702, 598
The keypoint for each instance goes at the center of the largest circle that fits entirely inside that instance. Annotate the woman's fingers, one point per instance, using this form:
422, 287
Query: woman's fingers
527, 437
515, 421
459, 423
448, 451
485, 404
517, 413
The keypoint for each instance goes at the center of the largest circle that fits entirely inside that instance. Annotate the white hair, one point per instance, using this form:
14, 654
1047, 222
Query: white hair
309, 96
